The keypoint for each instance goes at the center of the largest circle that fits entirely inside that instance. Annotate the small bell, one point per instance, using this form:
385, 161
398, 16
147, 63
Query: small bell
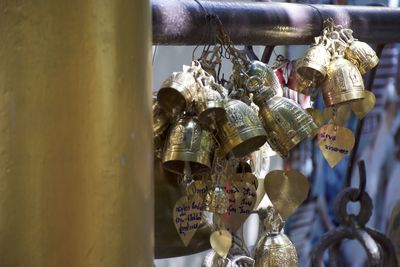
241, 132
362, 55
286, 123
216, 200
160, 120
210, 106
275, 249
313, 66
266, 74
177, 91
188, 147
343, 82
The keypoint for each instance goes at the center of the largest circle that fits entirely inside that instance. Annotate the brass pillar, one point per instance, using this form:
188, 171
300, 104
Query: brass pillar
75, 134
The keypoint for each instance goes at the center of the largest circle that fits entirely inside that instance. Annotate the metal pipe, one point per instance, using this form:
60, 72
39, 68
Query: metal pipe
76, 186
183, 22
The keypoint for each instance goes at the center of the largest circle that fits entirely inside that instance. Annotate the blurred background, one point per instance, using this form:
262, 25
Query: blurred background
379, 147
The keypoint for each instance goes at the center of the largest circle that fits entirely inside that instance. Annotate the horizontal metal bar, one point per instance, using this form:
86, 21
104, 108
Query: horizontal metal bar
183, 22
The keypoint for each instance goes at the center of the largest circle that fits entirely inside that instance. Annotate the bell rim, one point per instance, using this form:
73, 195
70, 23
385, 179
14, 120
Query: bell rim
176, 161
241, 146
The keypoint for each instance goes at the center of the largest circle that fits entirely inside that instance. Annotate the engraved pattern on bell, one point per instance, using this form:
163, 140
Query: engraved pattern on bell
275, 250
242, 132
343, 82
216, 200
177, 91
313, 65
188, 147
211, 108
266, 73
362, 55
287, 124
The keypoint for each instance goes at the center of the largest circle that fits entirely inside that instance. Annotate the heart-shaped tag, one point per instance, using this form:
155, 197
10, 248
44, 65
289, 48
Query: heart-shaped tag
361, 107
342, 114
335, 142
198, 187
286, 190
242, 198
221, 242
187, 216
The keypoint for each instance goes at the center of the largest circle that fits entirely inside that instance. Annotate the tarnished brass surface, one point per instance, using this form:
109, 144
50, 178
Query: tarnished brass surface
76, 136
343, 82
167, 241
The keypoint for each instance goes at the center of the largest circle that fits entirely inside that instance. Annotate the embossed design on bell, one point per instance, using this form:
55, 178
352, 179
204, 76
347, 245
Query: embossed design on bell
313, 65
362, 56
343, 82
242, 132
188, 147
286, 123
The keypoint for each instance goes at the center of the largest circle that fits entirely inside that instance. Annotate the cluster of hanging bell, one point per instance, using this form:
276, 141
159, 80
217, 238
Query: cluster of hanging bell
335, 63
205, 130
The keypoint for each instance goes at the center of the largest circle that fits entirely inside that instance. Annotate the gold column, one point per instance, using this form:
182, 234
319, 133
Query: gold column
75, 133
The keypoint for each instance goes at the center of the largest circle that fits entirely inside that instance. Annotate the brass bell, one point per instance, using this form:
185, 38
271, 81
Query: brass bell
188, 147
362, 55
177, 91
241, 132
301, 85
313, 66
343, 82
167, 241
210, 105
286, 123
275, 249
266, 74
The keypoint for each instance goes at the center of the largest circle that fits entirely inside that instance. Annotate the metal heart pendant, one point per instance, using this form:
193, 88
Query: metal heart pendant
335, 142
242, 198
187, 216
361, 107
286, 190
221, 242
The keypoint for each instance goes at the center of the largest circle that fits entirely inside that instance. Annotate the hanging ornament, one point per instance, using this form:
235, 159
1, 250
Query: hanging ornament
188, 145
242, 132
274, 249
362, 107
198, 187
287, 124
187, 216
221, 242
216, 200
286, 190
335, 142
242, 198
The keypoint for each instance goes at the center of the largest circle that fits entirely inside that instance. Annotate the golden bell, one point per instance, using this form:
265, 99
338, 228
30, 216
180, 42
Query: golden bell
343, 82
188, 147
211, 108
266, 74
313, 65
167, 241
241, 132
177, 91
361, 55
274, 249
286, 123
